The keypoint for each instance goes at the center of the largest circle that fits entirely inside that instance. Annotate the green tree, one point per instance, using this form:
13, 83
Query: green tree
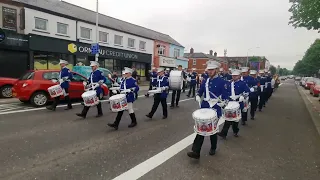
305, 13
273, 69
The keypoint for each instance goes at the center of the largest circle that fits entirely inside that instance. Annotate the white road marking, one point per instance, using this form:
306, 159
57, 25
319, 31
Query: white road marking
155, 161
280, 84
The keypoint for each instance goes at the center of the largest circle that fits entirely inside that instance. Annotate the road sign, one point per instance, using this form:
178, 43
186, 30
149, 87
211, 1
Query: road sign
95, 48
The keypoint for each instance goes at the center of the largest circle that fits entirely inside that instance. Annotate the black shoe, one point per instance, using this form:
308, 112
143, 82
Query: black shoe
81, 115
113, 126
68, 108
132, 125
149, 116
146, 95
235, 135
177, 105
252, 118
260, 110
223, 137
193, 155
212, 152
172, 106
243, 123
99, 115
164, 117
51, 108
188, 95
193, 96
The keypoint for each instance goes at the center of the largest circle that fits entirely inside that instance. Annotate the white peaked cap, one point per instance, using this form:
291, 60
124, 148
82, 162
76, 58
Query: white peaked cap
168, 69
266, 70
213, 65
230, 69
63, 61
253, 72
153, 68
244, 69
160, 69
127, 70
261, 71
94, 63
235, 72
221, 69
123, 72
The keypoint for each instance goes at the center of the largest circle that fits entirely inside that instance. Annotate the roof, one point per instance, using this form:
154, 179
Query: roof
203, 55
85, 15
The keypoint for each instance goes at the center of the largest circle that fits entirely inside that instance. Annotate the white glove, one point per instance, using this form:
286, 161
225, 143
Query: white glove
84, 83
198, 98
114, 91
60, 80
241, 99
100, 82
116, 84
163, 88
221, 104
251, 89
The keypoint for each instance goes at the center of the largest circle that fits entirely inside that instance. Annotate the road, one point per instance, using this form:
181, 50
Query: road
282, 143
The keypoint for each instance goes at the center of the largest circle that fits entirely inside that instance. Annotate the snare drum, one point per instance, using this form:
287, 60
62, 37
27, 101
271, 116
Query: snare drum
55, 91
206, 122
90, 98
156, 91
232, 111
118, 102
246, 105
176, 80
114, 88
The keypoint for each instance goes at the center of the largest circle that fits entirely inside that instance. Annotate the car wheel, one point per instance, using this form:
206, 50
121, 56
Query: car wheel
6, 91
39, 99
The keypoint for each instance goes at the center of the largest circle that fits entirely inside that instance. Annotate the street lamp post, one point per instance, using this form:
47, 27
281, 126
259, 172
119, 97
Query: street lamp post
97, 30
248, 54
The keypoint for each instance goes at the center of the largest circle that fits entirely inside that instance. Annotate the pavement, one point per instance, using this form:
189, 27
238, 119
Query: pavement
282, 143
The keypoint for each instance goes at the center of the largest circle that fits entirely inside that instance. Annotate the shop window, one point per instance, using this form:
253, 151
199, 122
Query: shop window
103, 37
41, 24
82, 61
85, 33
131, 43
118, 40
44, 60
53, 61
108, 64
62, 28
40, 60
161, 50
142, 45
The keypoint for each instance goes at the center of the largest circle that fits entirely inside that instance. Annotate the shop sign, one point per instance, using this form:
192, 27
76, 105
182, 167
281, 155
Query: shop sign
167, 62
9, 18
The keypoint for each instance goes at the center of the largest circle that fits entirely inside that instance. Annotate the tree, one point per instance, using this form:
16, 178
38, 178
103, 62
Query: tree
273, 69
305, 13
284, 72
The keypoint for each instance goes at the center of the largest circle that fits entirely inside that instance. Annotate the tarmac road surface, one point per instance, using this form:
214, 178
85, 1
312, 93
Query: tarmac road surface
282, 143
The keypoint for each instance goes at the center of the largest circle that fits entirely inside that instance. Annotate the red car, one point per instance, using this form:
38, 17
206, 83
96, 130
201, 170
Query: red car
315, 88
6, 85
33, 86
309, 82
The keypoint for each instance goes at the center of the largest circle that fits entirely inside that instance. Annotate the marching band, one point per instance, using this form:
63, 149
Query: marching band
224, 98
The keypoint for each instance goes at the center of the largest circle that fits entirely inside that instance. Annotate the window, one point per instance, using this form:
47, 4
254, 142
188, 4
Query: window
41, 24
118, 40
194, 62
142, 45
62, 28
51, 75
161, 50
44, 60
27, 75
176, 53
131, 43
103, 37
85, 33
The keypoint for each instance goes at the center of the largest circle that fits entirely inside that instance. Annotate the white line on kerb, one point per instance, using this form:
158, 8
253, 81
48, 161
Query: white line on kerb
155, 161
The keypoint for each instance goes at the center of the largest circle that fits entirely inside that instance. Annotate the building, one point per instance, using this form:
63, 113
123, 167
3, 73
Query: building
254, 62
199, 60
57, 29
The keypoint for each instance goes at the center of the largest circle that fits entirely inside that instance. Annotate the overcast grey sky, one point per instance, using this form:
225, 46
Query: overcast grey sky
236, 25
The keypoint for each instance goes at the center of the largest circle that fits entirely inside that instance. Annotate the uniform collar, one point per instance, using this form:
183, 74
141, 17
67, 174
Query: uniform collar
64, 67
214, 77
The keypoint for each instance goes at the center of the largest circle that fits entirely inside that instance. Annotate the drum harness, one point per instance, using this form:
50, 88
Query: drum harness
61, 80
210, 100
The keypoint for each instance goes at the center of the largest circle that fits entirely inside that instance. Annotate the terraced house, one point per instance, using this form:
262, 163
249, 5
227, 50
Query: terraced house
54, 29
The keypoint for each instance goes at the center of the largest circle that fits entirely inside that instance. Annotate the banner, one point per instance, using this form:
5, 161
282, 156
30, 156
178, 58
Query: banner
255, 66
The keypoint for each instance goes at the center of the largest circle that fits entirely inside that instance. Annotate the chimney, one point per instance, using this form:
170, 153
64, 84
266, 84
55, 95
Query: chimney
191, 51
215, 54
211, 52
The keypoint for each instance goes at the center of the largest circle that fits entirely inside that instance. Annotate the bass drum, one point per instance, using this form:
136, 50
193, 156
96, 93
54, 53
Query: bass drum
176, 80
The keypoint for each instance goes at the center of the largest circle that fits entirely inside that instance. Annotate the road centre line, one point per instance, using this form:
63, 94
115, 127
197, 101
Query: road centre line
155, 161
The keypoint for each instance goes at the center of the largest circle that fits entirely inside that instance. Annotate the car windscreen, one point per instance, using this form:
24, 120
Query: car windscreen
309, 79
27, 76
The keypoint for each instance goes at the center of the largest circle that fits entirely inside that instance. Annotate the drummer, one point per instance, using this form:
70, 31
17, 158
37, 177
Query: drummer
253, 96
226, 76
236, 89
153, 76
167, 72
218, 87
64, 78
174, 92
193, 82
247, 79
129, 87
96, 76
262, 94
162, 82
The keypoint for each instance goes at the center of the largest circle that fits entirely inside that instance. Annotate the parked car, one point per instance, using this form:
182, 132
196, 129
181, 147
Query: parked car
282, 78
308, 82
303, 81
298, 78
315, 87
86, 70
6, 85
33, 87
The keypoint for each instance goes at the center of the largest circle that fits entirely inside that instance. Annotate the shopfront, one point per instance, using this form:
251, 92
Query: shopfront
167, 62
47, 51
183, 62
14, 55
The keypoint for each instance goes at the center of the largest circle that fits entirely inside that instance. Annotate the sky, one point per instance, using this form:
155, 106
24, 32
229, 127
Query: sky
240, 26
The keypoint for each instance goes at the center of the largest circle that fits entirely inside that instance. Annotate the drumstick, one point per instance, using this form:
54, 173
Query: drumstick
217, 98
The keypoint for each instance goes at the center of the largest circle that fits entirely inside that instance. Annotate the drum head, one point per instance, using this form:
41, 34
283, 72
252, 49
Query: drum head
114, 88
54, 87
118, 96
233, 105
204, 113
89, 93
